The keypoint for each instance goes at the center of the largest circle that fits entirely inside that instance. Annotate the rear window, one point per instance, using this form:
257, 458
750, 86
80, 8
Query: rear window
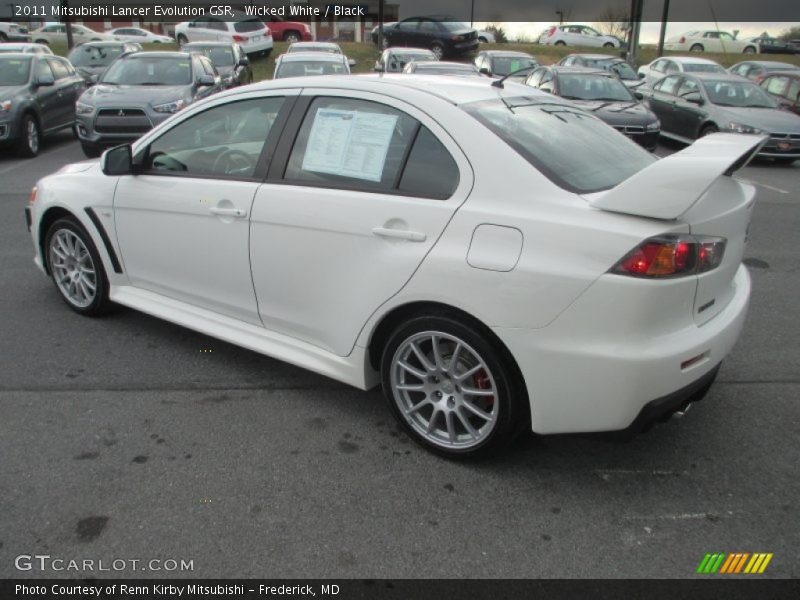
574, 149
702, 68
248, 25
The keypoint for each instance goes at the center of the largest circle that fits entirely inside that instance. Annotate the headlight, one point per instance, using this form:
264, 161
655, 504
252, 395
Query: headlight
83, 109
170, 107
654, 126
5, 106
739, 128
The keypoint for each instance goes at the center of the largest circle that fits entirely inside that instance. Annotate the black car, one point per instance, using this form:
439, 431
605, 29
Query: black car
613, 64
92, 58
37, 97
602, 94
443, 35
499, 63
230, 60
756, 70
771, 45
694, 105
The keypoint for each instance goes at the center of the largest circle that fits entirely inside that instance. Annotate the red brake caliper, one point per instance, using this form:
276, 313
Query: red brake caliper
482, 382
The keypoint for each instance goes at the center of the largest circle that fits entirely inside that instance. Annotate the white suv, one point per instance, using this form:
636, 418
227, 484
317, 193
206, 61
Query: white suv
249, 32
577, 35
11, 32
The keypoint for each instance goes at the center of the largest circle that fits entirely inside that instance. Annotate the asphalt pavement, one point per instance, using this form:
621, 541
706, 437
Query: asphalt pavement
130, 438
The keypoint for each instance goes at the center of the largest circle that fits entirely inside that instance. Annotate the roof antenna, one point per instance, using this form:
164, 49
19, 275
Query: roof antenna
499, 82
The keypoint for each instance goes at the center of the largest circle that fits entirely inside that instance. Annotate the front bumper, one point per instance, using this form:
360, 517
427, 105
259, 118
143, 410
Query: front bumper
261, 45
468, 46
596, 367
87, 134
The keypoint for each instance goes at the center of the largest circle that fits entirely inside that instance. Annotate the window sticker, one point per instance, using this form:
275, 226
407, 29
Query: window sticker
349, 143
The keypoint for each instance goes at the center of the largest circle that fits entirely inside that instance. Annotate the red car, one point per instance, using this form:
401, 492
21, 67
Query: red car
289, 31
785, 88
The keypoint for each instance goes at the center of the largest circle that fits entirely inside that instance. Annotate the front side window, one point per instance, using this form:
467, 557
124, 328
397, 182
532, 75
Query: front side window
574, 149
687, 87
777, 85
668, 85
224, 141
60, 70
363, 145
743, 94
659, 66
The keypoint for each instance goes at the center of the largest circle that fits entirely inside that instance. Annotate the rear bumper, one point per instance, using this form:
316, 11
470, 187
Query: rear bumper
601, 362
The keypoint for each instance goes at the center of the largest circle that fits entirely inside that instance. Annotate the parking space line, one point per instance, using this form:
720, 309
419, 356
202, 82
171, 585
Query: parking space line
763, 185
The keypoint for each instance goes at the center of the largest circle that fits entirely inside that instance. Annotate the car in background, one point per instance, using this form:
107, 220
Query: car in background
709, 40
408, 207
691, 106
441, 67
756, 70
57, 34
613, 64
785, 89
577, 35
289, 31
306, 64
139, 91
602, 94
37, 97
92, 58
394, 60
330, 47
771, 45
251, 33
794, 46
661, 67
486, 37
499, 63
26, 48
139, 35
230, 60
442, 35
13, 32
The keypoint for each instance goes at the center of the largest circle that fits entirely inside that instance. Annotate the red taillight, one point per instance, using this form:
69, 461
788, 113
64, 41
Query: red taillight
239, 38
32, 197
672, 256
551, 31
682, 40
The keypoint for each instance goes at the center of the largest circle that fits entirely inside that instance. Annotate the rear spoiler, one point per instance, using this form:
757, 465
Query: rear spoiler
672, 185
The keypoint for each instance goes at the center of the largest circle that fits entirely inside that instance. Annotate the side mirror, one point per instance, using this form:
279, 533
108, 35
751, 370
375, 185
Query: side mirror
638, 95
117, 161
641, 75
694, 98
547, 88
485, 71
205, 80
351, 62
378, 68
244, 61
45, 81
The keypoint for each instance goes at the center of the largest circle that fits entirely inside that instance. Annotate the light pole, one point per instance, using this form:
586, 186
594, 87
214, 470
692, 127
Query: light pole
560, 14
663, 32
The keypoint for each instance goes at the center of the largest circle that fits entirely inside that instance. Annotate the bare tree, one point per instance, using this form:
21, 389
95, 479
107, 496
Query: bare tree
614, 20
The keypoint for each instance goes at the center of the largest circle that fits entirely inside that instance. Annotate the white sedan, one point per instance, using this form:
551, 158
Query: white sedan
57, 34
496, 258
710, 40
670, 65
577, 35
143, 36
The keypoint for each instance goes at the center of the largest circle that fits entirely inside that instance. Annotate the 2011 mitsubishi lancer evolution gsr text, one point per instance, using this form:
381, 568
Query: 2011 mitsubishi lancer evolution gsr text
496, 258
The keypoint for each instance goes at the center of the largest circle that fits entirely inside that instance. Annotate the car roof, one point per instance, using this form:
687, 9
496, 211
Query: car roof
315, 44
580, 70
718, 77
511, 53
767, 63
158, 54
18, 55
311, 56
690, 59
789, 73
409, 51
104, 44
208, 44
451, 89
595, 56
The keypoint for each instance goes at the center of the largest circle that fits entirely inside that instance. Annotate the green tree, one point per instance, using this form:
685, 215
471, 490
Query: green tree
793, 33
499, 33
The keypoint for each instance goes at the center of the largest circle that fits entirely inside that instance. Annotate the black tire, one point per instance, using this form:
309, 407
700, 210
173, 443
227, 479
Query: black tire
708, 130
101, 304
749, 50
697, 48
91, 150
28, 146
291, 37
560, 43
181, 39
483, 40
608, 45
45, 42
512, 412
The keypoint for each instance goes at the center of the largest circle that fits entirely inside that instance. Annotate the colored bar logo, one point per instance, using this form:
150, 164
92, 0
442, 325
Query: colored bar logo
734, 563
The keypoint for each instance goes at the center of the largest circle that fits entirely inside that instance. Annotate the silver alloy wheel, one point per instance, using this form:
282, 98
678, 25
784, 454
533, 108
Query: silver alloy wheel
438, 51
444, 390
73, 269
32, 134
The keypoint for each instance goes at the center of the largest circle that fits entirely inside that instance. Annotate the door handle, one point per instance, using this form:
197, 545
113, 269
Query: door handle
400, 234
228, 212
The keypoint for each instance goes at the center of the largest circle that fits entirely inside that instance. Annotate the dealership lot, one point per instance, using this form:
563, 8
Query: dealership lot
130, 438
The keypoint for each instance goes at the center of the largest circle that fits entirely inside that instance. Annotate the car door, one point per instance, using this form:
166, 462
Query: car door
203, 66
63, 103
46, 95
405, 33
662, 101
687, 116
357, 195
182, 223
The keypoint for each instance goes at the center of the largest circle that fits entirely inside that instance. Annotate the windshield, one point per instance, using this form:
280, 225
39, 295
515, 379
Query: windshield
575, 86
503, 65
221, 56
94, 56
738, 93
14, 71
309, 67
702, 68
572, 148
314, 48
147, 70
454, 25
445, 70
621, 68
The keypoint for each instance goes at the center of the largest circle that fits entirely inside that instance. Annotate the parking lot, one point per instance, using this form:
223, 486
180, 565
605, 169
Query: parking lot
130, 438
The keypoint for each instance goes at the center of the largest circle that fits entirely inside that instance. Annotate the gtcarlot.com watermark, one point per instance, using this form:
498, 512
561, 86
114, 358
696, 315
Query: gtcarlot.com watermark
46, 562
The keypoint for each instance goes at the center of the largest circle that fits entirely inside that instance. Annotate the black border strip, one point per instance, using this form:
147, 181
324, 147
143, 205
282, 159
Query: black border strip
104, 236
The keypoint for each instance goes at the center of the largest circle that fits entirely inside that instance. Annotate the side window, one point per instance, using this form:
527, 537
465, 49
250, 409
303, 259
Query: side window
741, 70
224, 141
570, 60
659, 66
208, 68
60, 71
777, 85
351, 143
671, 67
428, 26
43, 70
794, 91
408, 25
547, 77
536, 77
217, 25
430, 171
668, 85
687, 87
